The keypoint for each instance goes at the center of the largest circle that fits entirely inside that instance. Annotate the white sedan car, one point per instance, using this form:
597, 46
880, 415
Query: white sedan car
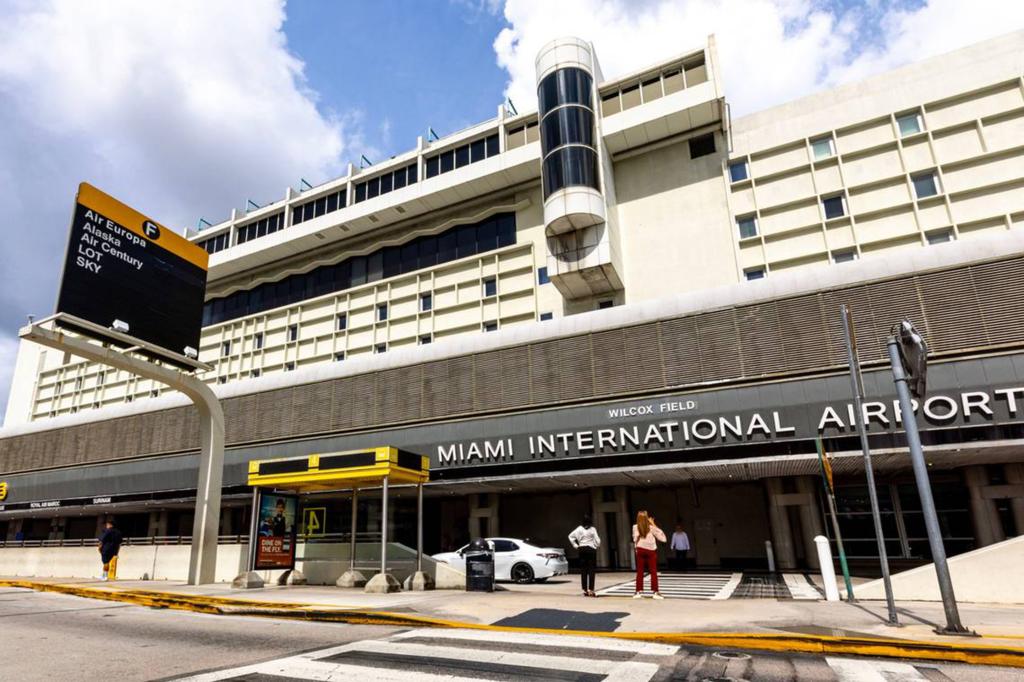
516, 560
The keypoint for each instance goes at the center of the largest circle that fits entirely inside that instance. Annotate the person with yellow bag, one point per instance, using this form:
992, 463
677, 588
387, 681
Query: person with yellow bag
110, 546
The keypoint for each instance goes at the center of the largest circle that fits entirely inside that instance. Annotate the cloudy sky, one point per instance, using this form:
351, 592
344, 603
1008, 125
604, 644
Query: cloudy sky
188, 109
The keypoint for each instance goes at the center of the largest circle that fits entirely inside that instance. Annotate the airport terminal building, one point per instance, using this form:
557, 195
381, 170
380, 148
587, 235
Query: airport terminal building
624, 300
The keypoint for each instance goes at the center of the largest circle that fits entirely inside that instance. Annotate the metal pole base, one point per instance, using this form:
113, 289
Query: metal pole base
247, 581
292, 577
956, 631
351, 578
418, 582
383, 583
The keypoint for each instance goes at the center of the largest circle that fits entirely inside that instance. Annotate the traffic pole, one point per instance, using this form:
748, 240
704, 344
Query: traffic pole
857, 384
924, 489
826, 478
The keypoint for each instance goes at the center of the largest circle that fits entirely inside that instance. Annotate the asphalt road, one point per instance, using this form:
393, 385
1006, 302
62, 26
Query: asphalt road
49, 636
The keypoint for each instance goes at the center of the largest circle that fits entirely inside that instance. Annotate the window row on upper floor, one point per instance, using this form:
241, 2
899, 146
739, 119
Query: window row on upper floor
463, 155
260, 228
382, 184
457, 242
691, 72
315, 208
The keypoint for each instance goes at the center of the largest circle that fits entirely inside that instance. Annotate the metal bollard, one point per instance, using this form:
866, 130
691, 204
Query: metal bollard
828, 571
771, 555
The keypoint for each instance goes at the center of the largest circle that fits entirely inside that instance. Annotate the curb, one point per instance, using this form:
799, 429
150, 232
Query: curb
880, 647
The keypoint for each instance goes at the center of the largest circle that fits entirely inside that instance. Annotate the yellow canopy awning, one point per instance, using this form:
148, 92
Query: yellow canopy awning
341, 470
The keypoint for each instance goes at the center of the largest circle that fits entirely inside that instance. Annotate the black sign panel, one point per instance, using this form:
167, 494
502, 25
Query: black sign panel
120, 265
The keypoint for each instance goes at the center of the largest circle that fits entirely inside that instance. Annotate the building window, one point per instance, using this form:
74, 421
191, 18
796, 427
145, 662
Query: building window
154, 393
471, 152
257, 341
823, 148
544, 317
78, 384
925, 185
254, 373
844, 256
834, 207
738, 171
341, 321
293, 332
225, 349
490, 287
425, 339
382, 312
260, 228
339, 356
490, 326
386, 183
754, 273
747, 226
100, 376
317, 207
702, 145
129, 398
458, 242
940, 236
542, 276
909, 124
220, 380
426, 302
215, 244
380, 348
289, 366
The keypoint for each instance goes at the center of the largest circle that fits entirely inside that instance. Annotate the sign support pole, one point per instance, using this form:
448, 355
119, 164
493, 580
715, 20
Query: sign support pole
827, 481
384, 529
254, 529
352, 534
857, 384
924, 489
202, 565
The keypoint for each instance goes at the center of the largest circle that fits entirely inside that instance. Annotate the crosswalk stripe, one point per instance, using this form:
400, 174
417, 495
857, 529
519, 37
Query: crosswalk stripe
574, 641
855, 670
800, 588
682, 586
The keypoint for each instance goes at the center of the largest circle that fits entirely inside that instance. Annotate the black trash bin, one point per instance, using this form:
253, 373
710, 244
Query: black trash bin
479, 567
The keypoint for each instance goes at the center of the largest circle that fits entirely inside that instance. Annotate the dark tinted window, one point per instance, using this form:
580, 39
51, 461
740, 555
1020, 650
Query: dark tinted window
702, 145
361, 192
568, 125
505, 546
410, 174
570, 167
462, 156
565, 86
447, 161
433, 166
477, 151
492, 145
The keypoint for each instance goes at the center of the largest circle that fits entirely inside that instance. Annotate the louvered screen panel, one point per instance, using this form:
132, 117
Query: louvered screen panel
575, 366
643, 357
398, 395
189, 437
719, 345
124, 439
364, 387
99, 436
65, 443
891, 303
515, 377
953, 310
761, 347
803, 336
275, 414
612, 375
311, 408
435, 389
680, 351
33, 453
341, 404
233, 431
460, 385
859, 302
171, 429
1001, 292
147, 431
248, 416
544, 373
487, 380
7, 455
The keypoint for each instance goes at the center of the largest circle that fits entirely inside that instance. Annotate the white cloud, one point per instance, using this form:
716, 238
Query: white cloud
771, 51
181, 109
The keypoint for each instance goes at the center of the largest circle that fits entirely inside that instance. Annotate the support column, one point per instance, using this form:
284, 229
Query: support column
618, 506
782, 533
227, 526
1015, 476
15, 527
988, 529
810, 518
154, 523
484, 511
383, 582
352, 577
419, 580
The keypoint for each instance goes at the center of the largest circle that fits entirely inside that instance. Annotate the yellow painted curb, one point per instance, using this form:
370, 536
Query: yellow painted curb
815, 644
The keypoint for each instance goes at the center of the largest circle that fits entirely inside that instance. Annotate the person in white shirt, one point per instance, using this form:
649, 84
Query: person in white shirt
681, 545
586, 540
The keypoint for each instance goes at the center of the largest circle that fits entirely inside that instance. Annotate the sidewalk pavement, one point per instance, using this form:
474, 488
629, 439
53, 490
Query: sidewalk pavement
557, 606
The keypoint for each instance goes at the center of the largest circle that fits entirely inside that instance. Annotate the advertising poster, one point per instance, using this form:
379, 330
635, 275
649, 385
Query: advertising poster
275, 547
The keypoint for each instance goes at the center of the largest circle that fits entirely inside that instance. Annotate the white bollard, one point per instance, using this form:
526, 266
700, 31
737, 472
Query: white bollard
828, 573
771, 555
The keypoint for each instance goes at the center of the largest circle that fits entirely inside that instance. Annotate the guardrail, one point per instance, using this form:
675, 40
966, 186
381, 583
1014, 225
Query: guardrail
186, 540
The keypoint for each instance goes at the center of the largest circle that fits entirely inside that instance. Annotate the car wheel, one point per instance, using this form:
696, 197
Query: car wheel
522, 574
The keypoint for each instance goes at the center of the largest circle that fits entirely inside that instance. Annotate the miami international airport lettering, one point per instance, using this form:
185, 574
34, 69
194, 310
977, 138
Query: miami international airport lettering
758, 426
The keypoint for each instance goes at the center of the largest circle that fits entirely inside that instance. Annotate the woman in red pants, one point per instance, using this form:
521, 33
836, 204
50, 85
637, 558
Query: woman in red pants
646, 536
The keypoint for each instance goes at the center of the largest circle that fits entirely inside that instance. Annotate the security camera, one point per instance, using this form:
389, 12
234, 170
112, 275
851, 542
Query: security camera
120, 326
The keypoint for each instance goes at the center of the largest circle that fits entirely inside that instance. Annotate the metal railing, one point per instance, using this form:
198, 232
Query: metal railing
327, 538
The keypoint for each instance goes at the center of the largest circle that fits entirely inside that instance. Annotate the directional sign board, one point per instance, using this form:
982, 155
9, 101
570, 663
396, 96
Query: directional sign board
121, 265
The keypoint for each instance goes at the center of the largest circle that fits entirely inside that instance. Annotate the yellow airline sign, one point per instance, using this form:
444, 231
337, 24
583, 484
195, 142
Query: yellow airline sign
3, 490
314, 521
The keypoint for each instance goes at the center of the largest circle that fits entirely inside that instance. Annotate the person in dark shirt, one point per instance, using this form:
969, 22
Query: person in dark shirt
280, 524
110, 546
